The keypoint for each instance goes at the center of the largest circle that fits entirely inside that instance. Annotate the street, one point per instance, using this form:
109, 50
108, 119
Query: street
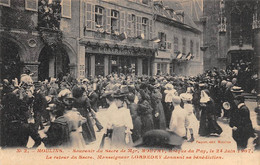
224, 141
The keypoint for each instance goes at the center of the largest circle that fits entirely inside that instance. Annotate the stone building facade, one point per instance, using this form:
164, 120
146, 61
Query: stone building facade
229, 32
179, 35
117, 38
39, 36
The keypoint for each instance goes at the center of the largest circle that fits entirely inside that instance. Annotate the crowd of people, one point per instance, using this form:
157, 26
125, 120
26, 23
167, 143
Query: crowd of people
133, 107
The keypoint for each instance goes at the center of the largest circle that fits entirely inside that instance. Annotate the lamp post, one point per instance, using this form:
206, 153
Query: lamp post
256, 29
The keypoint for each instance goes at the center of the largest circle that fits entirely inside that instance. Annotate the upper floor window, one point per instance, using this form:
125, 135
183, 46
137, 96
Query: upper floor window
162, 37
114, 21
145, 27
191, 47
235, 26
5, 3
99, 15
176, 44
133, 18
66, 8
184, 45
197, 51
31, 5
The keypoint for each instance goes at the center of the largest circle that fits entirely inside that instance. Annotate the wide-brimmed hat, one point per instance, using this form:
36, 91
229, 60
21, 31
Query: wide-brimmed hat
159, 138
237, 89
186, 96
65, 93
122, 91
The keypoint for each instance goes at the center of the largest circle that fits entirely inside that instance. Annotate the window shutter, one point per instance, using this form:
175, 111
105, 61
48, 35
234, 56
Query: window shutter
122, 22
66, 8
151, 29
93, 24
89, 13
104, 19
5, 2
31, 5
129, 25
108, 26
139, 25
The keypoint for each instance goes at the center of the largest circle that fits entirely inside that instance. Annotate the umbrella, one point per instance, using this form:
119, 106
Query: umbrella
159, 138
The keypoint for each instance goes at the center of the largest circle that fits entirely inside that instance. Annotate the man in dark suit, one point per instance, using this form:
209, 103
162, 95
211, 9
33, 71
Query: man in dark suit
240, 123
93, 99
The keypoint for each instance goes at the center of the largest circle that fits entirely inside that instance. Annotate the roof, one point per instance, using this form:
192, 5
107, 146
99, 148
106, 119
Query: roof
192, 10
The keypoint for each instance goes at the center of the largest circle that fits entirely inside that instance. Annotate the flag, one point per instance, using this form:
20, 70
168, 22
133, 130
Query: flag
156, 40
179, 55
189, 56
123, 36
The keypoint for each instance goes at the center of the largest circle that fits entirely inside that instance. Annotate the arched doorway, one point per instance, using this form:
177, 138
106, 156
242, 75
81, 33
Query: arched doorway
9, 60
54, 62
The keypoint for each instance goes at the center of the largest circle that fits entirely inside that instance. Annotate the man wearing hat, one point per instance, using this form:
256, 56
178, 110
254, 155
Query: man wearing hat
241, 124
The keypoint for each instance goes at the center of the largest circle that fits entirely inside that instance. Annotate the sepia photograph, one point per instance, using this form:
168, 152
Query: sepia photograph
127, 82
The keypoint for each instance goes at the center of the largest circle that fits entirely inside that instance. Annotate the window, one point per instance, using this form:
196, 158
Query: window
161, 68
31, 5
162, 37
158, 68
191, 47
197, 51
176, 44
114, 21
66, 8
5, 2
144, 27
99, 16
133, 19
235, 26
184, 46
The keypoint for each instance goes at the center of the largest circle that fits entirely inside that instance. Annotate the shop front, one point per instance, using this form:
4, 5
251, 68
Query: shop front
106, 59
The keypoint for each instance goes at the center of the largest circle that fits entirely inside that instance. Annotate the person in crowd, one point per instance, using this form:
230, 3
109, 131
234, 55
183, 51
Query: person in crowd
74, 119
39, 105
196, 100
158, 111
145, 111
208, 123
93, 99
241, 124
119, 121
179, 118
192, 121
137, 123
170, 92
17, 118
82, 104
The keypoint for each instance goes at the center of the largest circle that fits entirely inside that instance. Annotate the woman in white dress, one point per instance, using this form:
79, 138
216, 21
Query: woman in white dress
179, 117
119, 122
192, 121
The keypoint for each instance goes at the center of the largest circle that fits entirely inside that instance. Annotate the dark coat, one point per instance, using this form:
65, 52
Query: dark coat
240, 118
137, 123
83, 106
156, 102
93, 99
145, 110
58, 133
208, 120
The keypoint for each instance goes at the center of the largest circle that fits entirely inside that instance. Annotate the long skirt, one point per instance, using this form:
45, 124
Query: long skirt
117, 139
208, 124
76, 140
88, 131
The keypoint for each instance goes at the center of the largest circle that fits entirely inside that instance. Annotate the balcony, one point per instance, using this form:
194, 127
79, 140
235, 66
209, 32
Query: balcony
116, 38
